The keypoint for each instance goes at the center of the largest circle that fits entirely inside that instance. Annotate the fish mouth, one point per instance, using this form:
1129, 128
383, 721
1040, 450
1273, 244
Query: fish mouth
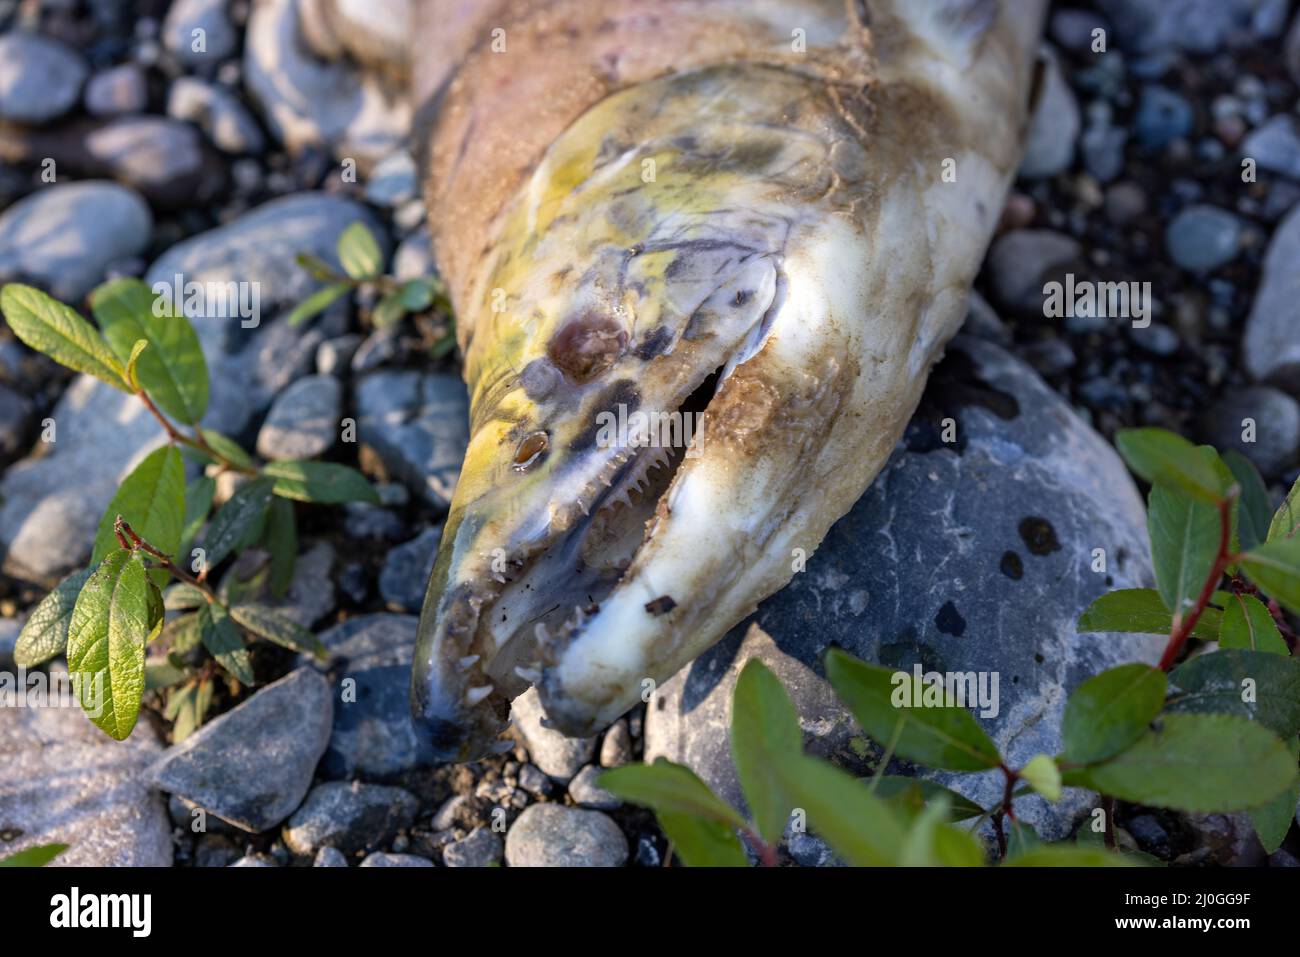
506, 601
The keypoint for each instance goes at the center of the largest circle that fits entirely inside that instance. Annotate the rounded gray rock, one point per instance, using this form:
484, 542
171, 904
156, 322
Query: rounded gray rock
40, 78
199, 32
304, 420
1271, 345
383, 859
1054, 129
1203, 238
559, 755
552, 835
350, 816
253, 764
481, 848
119, 89
63, 237
1274, 418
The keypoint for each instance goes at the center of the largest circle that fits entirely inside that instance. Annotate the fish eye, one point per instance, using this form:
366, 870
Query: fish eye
530, 450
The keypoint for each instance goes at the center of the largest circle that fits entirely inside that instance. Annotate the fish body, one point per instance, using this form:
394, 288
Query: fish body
754, 223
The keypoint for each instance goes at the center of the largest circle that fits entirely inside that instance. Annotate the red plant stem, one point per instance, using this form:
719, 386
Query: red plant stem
124, 531
1222, 560
1007, 810
766, 851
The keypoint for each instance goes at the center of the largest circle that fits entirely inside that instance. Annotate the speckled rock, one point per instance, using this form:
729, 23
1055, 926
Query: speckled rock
253, 764
330, 857
65, 781
1276, 427
405, 575
553, 835
349, 816
974, 556
587, 793
64, 237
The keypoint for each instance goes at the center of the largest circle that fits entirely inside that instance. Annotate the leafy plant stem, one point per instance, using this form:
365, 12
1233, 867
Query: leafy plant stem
766, 851
886, 758
1183, 624
195, 441
129, 539
1006, 810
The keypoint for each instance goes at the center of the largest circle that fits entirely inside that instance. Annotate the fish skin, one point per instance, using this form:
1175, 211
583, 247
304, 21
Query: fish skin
782, 217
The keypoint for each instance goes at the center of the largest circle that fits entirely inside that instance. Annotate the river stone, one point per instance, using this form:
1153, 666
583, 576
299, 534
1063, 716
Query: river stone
1276, 418
405, 575
418, 424
216, 37
119, 89
40, 78
309, 103
1055, 127
1197, 26
350, 816
553, 835
51, 501
481, 848
1275, 146
217, 113
372, 733
1271, 346
376, 33
304, 420
253, 765
63, 237
67, 782
559, 755
384, 859
971, 557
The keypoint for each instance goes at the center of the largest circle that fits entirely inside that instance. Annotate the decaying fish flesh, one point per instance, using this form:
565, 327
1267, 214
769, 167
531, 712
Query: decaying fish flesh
759, 216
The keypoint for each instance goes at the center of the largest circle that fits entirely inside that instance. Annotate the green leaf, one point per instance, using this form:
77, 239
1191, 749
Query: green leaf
914, 794
1286, 522
110, 624
37, 856
239, 522
670, 788
359, 253
173, 371
1254, 512
227, 448
932, 843
1184, 546
764, 727
1169, 460
941, 737
50, 327
132, 377
1198, 763
281, 540
271, 625
1066, 855
1142, 611
183, 633
1042, 774
1275, 567
1217, 684
223, 641
703, 843
45, 635
862, 829
318, 302
417, 294
324, 483
1110, 711
183, 596
181, 711
160, 673
151, 500
1248, 624
1273, 820
388, 311
198, 503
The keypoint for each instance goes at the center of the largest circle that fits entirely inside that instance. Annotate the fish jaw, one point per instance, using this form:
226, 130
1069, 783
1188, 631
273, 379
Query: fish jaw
794, 246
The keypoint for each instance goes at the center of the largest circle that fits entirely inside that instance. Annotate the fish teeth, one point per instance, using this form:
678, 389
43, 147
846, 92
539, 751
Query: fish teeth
468, 662
501, 747
476, 696
531, 675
